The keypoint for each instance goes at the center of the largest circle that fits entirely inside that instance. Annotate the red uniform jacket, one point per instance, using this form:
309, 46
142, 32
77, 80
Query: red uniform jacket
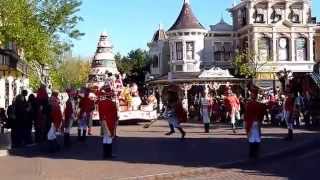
181, 113
68, 111
254, 112
86, 106
56, 114
231, 102
108, 113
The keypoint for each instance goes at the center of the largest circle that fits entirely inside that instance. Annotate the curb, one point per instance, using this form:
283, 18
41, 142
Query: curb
4, 153
232, 164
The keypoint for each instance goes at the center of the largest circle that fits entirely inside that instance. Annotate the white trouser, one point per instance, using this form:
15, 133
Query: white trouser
205, 116
107, 138
254, 134
52, 133
83, 122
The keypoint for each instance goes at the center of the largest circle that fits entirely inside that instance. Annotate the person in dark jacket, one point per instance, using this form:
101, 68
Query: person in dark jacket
32, 115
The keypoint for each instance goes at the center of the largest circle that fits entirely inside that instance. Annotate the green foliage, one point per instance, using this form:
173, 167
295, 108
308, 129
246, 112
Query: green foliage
43, 29
135, 65
71, 72
247, 64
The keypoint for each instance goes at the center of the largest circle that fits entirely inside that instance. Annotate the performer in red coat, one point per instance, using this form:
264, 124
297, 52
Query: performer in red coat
232, 104
253, 117
86, 106
175, 113
108, 116
70, 114
57, 118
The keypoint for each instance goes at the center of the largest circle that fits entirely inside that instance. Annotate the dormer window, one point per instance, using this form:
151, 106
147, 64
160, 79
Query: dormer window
260, 15
276, 15
295, 15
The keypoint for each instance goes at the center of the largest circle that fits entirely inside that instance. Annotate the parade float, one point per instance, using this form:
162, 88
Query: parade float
104, 72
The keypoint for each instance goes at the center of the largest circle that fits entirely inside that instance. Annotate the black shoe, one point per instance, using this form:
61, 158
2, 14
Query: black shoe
84, 136
107, 151
79, 134
66, 141
183, 133
169, 133
206, 128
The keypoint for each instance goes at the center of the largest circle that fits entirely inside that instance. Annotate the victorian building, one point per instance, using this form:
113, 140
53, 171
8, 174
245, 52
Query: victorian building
280, 34
13, 73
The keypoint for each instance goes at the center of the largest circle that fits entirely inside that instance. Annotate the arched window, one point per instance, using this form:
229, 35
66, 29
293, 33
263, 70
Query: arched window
283, 49
155, 61
301, 49
264, 49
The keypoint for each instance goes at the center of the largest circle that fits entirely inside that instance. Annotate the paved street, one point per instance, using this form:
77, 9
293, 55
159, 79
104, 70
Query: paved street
143, 152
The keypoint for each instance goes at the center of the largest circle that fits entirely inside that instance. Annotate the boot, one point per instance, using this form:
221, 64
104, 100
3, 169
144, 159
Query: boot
183, 133
206, 127
251, 150
257, 151
67, 140
171, 130
79, 134
84, 135
290, 135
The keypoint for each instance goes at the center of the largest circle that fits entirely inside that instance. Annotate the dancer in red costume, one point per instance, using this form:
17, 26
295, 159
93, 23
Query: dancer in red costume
57, 118
253, 117
108, 117
86, 106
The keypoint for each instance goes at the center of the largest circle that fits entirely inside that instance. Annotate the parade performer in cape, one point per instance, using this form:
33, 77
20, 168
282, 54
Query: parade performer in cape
56, 118
175, 113
86, 106
70, 115
108, 116
254, 113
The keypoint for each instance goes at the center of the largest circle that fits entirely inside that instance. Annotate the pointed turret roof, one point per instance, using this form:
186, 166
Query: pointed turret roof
159, 35
186, 19
221, 26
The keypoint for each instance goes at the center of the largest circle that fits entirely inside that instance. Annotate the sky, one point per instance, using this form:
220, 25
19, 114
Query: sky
132, 23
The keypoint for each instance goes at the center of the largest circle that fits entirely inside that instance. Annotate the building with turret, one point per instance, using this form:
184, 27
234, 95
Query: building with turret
280, 34
103, 62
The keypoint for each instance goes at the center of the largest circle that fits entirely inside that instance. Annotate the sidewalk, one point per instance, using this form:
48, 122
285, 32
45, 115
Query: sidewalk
4, 144
144, 153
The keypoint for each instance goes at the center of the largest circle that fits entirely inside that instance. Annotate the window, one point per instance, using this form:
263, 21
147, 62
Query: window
301, 49
179, 68
295, 15
260, 15
155, 62
190, 50
227, 51
179, 50
277, 15
218, 50
102, 50
283, 50
264, 49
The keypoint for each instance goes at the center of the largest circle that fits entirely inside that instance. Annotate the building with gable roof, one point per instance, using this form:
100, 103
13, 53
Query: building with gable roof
280, 34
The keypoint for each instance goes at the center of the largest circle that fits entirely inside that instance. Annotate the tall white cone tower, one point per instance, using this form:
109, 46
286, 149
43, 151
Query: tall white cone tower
103, 62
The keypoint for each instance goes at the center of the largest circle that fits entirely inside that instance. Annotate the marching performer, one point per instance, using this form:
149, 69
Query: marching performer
253, 119
108, 117
205, 110
56, 121
70, 115
86, 106
288, 114
232, 104
175, 113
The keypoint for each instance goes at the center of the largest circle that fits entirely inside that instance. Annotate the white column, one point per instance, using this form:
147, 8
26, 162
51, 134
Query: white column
293, 49
287, 11
310, 47
10, 80
185, 99
274, 47
160, 88
250, 13
269, 12
2, 93
255, 45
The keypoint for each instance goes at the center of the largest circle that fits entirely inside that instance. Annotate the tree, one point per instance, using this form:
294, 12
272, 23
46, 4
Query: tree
72, 72
247, 65
43, 29
136, 64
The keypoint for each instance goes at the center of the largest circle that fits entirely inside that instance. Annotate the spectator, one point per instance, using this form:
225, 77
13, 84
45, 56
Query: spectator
3, 120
